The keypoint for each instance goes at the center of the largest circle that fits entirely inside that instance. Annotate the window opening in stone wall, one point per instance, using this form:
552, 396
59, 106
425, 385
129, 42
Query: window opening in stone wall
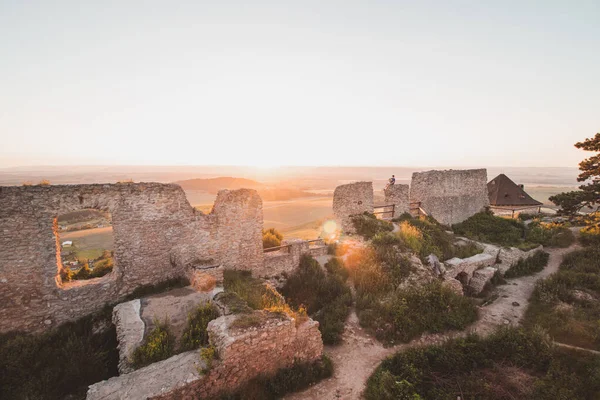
84, 244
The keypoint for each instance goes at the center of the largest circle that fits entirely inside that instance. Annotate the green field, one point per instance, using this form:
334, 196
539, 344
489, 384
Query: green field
89, 243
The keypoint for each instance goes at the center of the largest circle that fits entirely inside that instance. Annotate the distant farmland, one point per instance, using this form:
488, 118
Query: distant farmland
90, 243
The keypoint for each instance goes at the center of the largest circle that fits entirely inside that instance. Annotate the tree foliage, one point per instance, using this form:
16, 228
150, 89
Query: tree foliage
588, 194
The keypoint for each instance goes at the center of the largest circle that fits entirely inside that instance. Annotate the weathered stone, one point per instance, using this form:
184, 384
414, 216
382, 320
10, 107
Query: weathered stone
468, 266
130, 331
157, 236
450, 196
480, 278
351, 199
398, 195
511, 255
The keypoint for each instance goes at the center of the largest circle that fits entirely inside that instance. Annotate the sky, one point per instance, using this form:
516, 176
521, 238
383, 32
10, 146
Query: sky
276, 83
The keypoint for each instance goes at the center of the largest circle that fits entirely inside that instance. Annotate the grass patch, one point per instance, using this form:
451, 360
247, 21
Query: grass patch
367, 225
253, 291
195, 334
590, 236
566, 303
288, 380
509, 364
158, 345
61, 362
244, 321
403, 315
325, 296
486, 227
527, 266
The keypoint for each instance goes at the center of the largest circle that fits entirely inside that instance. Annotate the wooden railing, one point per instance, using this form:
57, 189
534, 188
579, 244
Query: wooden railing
391, 212
416, 210
277, 248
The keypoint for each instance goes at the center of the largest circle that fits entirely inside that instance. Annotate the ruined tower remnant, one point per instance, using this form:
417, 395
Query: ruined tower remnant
398, 195
450, 196
157, 234
351, 199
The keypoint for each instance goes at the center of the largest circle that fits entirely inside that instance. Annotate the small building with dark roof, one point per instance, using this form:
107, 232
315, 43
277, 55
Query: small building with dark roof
506, 195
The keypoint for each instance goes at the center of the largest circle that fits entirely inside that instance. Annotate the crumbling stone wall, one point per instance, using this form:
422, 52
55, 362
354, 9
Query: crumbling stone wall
351, 199
157, 236
450, 196
257, 351
244, 353
398, 195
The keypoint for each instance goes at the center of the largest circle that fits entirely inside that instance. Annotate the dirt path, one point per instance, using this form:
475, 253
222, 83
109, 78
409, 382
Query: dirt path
359, 354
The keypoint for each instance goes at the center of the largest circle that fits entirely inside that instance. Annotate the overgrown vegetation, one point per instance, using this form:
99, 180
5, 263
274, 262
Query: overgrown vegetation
285, 381
367, 225
325, 296
527, 266
404, 314
566, 303
590, 235
486, 227
271, 238
61, 362
509, 364
550, 234
158, 345
195, 334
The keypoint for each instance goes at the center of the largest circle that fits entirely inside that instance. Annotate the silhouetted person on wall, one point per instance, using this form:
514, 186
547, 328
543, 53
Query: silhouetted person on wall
391, 181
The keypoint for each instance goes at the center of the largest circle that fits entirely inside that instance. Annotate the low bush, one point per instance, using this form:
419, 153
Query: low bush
208, 355
367, 225
550, 234
486, 227
509, 364
285, 381
405, 314
61, 362
253, 291
271, 238
195, 334
566, 303
158, 345
335, 266
528, 266
590, 236
324, 296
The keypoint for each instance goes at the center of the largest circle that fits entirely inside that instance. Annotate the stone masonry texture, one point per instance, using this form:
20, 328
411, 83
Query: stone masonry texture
157, 236
350, 199
399, 196
450, 196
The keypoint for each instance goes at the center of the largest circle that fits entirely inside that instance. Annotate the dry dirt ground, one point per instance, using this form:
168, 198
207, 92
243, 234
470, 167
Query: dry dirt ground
359, 354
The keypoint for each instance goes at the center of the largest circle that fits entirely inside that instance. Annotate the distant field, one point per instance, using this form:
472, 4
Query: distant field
90, 243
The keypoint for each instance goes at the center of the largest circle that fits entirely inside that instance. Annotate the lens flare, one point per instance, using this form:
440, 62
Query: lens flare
330, 227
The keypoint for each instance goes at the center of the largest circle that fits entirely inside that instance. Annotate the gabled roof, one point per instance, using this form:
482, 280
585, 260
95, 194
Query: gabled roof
504, 192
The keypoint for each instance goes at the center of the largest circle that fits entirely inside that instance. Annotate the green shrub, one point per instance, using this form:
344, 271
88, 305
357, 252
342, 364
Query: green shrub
288, 380
271, 238
511, 363
253, 291
367, 225
83, 273
208, 355
405, 314
403, 217
244, 321
195, 334
468, 250
335, 266
158, 345
61, 362
590, 236
553, 235
324, 296
486, 227
528, 266
103, 267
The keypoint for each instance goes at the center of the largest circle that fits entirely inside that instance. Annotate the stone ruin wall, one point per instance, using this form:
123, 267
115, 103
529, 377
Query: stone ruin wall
351, 199
157, 236
398, 195
450, 196
243, 354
